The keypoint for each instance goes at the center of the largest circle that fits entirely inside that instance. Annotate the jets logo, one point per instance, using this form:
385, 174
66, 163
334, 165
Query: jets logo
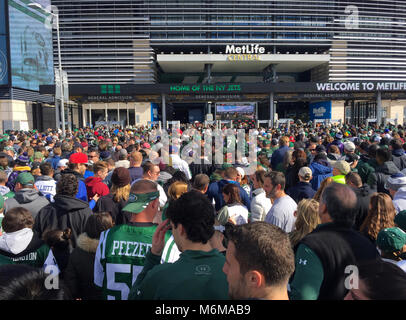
304, 262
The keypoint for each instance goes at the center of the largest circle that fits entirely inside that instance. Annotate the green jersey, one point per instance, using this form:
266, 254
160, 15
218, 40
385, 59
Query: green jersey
37, 255
120, 257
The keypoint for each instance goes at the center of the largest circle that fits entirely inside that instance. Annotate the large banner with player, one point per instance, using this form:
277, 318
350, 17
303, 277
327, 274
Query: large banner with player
235, 111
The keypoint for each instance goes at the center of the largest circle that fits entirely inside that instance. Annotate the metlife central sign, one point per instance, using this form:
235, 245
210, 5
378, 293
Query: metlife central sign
248, 52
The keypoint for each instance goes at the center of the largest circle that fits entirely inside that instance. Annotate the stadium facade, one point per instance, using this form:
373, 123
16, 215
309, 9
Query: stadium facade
138, 61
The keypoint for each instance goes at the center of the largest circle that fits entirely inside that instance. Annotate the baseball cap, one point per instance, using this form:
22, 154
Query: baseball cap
305, 173
241, 171
84, 144
63, 163
349, 146
25, 178
396, 181
320, 148
138, 202
339, 135
400, 220
391, 239
78, 157
342, 166
38, 155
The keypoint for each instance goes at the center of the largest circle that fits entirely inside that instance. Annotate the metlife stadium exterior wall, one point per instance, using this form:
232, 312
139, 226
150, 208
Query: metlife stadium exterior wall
117, 41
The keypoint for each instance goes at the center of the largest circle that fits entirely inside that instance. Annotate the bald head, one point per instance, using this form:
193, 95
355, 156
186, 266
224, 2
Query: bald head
144, 186
341, 203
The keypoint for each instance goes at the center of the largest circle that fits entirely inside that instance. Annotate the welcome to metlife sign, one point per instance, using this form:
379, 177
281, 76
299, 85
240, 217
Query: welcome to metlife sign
360, 86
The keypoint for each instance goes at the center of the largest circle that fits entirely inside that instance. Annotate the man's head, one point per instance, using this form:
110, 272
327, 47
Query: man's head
231, 173
122, 155
150, 171
201, 182
383, 155
24, 180
3, 178
349, 147
46, 169
338, 204
191, 218
78, 162
396, 144
354, 180
94, 156
101, 169
68, 185
62, 164
143, 203
305, 174
135, 159
259, 261
274, 184
284, 141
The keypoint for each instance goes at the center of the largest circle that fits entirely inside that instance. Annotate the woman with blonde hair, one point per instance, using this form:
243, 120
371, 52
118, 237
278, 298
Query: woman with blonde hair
323, 185
307, 219
175, 190
381, 215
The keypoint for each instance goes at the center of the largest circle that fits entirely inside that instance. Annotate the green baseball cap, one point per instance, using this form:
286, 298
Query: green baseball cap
38, 155
391, 239
138, 202
25, 178
400, 220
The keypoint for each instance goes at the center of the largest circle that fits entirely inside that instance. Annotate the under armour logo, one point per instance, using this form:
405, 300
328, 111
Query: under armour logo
302, 262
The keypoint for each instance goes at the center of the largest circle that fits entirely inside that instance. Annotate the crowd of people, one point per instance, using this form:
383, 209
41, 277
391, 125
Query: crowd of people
322, 216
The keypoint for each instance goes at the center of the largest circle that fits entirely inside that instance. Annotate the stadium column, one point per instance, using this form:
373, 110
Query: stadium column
106, 116
272, 109
163, 111
83, 116
379, 108
128, 114
118, 111
90, 115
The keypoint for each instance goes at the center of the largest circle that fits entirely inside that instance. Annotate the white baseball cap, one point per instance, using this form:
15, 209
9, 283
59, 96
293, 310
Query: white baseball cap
241, 171
62, 163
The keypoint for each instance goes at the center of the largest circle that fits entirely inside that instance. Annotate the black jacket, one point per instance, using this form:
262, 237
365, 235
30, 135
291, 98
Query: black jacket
399, 158
337, 248
79, 274
302, 190
377, 179
364, 194
65, 212
107, 204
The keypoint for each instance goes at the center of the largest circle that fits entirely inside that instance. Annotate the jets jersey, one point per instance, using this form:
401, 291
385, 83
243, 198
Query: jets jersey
120, 257
37, 254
